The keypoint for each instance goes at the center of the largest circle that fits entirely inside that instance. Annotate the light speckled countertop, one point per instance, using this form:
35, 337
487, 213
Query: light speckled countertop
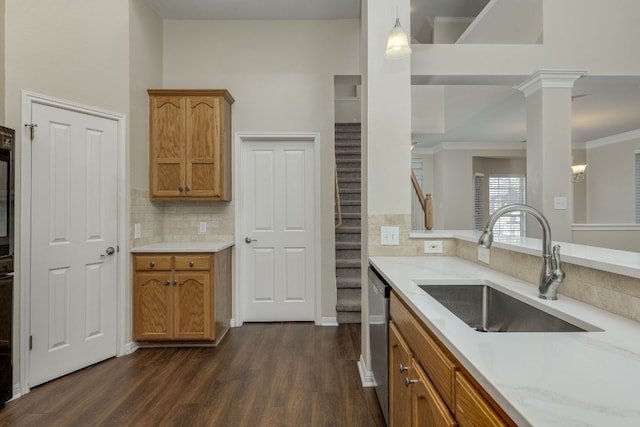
539, 379
212, 246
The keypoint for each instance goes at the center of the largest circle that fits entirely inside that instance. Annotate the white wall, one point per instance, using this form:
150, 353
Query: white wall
453, 190
281, 75
77, 50
610, 181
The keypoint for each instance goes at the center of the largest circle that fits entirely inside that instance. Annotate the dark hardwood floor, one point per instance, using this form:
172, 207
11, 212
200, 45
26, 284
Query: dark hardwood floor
276, 374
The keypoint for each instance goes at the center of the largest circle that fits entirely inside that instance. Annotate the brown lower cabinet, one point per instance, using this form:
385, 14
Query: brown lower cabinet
181, 297
427, 385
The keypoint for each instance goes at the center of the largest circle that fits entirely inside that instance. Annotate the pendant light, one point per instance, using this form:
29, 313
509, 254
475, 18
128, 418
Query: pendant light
398, 41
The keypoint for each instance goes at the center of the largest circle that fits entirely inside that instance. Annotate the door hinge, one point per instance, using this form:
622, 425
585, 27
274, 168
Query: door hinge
30, 342
31, 127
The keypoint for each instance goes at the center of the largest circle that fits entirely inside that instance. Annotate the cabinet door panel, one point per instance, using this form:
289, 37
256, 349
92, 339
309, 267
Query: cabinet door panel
193, 302
152, 306
203, 146
399, 393
167, 146
471, 408
428, 409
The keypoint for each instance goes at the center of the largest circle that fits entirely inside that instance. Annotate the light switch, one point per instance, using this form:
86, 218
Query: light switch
137, 231
389, 235
203, 227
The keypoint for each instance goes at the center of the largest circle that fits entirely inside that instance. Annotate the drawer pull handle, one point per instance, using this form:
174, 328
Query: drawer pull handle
408, 382
190, 263
403, 368
152, 264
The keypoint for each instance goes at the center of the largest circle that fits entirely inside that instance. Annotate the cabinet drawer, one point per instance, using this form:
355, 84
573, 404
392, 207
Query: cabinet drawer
193, 262
437, 365
428, 407
471, 408
152, 262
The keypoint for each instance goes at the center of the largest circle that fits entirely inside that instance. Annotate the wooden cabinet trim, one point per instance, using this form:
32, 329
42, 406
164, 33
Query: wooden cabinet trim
192, 92
471, 407
409, 321
426, 391
437, 364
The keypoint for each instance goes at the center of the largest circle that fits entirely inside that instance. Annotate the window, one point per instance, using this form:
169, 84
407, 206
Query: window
507, 190
478, 218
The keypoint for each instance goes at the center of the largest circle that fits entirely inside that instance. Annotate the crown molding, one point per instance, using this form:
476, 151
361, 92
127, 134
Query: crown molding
613, 139
549, 79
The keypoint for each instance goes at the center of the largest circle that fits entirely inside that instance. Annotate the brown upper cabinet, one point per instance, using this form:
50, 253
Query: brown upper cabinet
190, 144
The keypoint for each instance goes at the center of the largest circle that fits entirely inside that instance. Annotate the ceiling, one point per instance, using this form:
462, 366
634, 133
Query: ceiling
473, 113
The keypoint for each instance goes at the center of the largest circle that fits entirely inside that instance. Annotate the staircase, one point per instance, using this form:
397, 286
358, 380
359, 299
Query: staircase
348, 280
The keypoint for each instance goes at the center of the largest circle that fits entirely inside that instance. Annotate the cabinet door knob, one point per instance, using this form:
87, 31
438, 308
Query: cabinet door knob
188, 188
168, 282
175, 282
408, 382
152, 264
403, 368
190, 263
180, 189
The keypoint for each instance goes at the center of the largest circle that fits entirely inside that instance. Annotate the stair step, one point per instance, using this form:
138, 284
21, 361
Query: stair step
348, 317
348, 245
348, 230
348, 282
350, 202
348, 263
350, 191
349, 180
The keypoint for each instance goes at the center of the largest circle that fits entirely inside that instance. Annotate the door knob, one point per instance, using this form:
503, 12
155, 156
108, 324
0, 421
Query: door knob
110, 250
249, 240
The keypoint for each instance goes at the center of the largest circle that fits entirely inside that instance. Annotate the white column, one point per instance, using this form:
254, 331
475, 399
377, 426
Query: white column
548, 94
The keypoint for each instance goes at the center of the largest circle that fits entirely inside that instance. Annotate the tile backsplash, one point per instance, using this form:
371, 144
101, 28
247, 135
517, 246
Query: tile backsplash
179, 221
612, 292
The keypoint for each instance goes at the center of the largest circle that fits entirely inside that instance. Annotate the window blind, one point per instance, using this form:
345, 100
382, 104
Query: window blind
638, 188
507, 190
478, 220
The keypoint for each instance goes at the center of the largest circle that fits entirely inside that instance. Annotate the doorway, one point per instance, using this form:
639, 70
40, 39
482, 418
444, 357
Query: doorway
277, 228
71, 213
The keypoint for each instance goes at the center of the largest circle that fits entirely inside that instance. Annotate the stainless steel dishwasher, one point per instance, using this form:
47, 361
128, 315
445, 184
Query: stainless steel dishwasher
378, 321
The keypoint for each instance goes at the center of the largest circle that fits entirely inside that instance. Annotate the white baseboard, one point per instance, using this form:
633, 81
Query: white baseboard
233, 323
17, 392
366, 377
328, 321
130, 347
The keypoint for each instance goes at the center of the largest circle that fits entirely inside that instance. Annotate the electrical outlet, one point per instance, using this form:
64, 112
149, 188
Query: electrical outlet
137, 231
389, 235
203, 227
484, 254
433, 247
559, 203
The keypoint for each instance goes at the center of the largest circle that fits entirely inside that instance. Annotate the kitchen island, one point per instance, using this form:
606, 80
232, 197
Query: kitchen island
537, 378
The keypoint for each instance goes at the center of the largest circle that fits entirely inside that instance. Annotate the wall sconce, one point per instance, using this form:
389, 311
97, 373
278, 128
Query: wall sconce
397, 42
577, 173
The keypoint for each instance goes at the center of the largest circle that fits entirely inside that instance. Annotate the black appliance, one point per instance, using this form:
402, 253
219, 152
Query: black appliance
7, 137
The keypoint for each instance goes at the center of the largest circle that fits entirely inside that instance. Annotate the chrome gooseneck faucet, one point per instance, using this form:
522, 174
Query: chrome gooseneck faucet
551, 274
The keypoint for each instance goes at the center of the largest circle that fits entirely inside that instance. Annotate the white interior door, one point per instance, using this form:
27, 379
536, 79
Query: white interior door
278, 230
74, 214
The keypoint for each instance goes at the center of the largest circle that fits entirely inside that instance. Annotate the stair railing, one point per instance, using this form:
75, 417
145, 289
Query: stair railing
336, 199
422, 207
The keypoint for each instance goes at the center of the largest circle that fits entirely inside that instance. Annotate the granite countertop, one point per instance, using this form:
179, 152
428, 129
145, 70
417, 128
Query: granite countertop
539, 379
210, 246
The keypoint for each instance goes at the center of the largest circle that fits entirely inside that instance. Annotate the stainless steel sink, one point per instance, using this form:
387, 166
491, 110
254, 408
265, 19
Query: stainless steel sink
487, 309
